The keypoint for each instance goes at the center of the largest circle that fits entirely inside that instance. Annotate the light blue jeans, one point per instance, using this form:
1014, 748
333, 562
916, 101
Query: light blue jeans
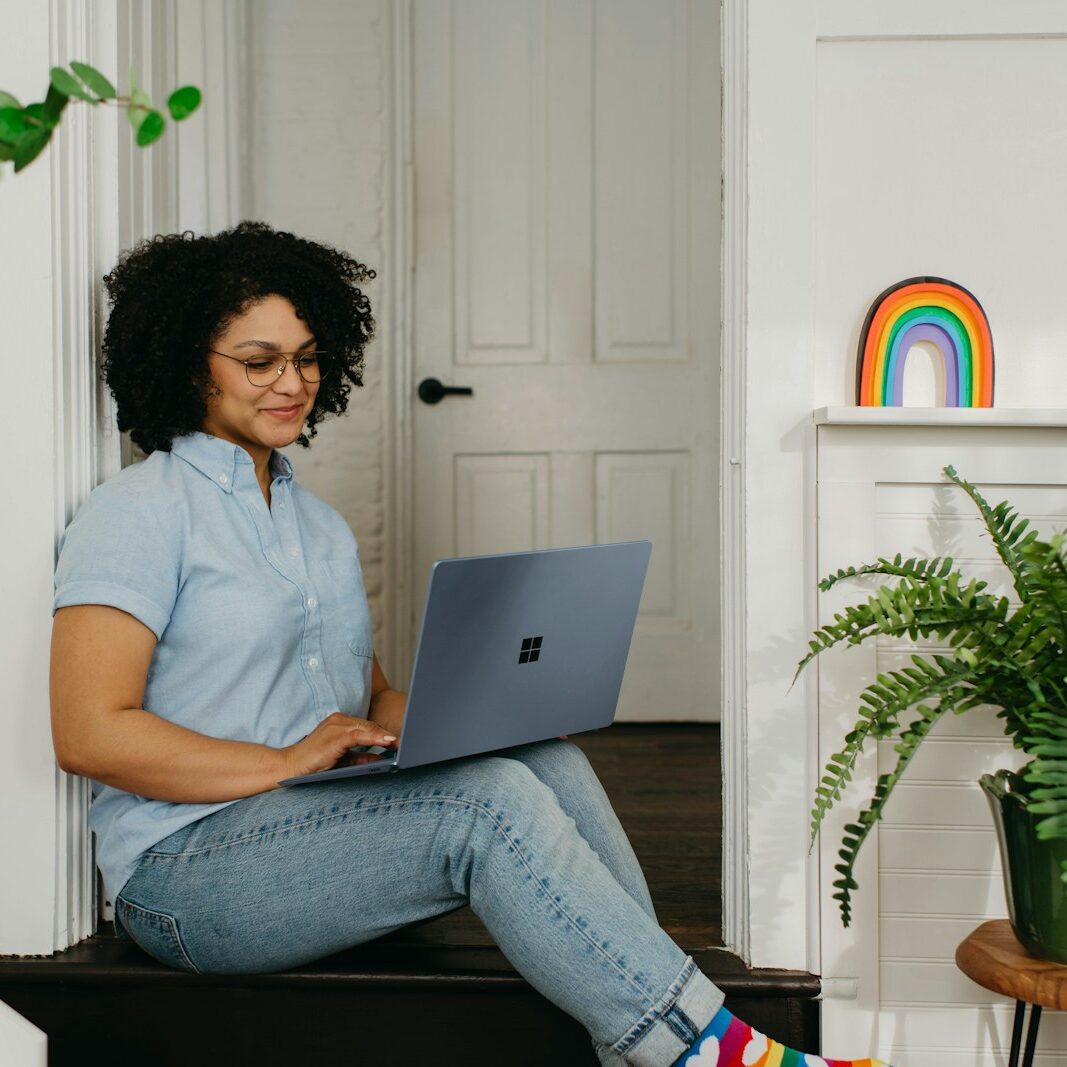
526, 836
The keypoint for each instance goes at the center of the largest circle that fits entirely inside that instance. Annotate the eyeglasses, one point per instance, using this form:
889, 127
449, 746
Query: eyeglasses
267, 367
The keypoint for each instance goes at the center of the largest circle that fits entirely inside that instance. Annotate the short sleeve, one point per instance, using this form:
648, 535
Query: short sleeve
114, 553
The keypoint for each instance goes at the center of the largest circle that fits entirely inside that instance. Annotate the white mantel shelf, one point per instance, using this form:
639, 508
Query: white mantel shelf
888, 416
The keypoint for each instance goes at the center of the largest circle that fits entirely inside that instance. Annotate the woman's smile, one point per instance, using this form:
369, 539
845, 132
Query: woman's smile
285, 413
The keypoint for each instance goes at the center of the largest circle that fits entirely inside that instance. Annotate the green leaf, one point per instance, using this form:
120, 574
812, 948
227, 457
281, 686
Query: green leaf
151, 129
183, 102
7, 100
68, 85
29, 147
12, 124
7, 151
95, 80
140, 107
53, 106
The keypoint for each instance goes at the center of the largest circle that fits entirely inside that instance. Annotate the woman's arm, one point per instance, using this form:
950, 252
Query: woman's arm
100, 660
387, 706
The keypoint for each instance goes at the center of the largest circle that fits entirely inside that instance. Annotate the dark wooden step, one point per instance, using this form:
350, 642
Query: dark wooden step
104, 1001
438, 992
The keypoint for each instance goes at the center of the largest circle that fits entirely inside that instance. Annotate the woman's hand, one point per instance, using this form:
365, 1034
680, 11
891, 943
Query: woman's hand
331, 740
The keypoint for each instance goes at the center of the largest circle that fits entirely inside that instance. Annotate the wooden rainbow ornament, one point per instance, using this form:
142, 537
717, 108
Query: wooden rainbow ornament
925, 309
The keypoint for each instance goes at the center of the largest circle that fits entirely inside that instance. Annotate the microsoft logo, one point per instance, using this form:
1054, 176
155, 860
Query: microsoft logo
531, 649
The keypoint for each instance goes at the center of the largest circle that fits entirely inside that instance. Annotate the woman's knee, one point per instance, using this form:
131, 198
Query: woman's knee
557, 757
506, 781
511, 798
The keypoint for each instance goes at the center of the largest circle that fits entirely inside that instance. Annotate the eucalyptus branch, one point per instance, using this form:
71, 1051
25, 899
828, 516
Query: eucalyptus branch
26, 131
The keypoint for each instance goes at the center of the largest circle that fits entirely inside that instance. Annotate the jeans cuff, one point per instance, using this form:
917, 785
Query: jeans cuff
672, 1025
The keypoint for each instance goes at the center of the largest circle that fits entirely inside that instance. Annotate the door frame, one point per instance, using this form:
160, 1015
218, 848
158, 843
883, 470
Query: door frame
733, 33
396, 316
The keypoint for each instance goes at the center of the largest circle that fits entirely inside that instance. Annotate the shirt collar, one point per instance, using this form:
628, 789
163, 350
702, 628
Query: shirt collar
218, 459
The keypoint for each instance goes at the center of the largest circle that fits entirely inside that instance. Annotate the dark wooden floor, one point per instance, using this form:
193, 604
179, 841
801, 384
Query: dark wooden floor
665, 782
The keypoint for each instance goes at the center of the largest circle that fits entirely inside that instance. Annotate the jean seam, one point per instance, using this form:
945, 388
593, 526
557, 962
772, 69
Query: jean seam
480, 807
681, 1025
169, 923
644, 1025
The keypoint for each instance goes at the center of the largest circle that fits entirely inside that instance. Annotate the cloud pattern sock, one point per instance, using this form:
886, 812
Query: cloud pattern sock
729, 1042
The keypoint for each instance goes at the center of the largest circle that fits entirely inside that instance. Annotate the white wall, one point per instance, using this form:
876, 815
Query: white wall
27, 767
317, 159
941, 156
944, 157
884, 141
778, 471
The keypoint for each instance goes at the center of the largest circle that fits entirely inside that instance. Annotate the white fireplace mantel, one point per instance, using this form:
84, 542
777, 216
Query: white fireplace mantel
969, 417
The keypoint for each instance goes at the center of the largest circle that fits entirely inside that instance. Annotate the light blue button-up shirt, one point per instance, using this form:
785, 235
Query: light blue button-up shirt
260, 613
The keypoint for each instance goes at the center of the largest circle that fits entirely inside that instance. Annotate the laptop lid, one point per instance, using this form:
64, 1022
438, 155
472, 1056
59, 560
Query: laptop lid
516, 647
521, 646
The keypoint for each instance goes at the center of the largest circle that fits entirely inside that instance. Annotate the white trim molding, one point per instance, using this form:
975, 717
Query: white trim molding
78, 444
396, 334
57, 446
91, 194
734, 733
778, 465
212, 174
852, 20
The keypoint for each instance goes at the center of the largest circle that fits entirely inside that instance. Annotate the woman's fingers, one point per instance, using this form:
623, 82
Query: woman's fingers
361, 731
331, 741
370, 733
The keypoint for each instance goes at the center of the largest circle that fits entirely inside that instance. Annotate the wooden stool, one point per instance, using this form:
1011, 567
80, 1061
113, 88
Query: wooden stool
993, 957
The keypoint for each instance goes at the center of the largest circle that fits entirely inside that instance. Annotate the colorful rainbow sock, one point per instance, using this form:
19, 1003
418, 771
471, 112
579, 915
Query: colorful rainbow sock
728, 1042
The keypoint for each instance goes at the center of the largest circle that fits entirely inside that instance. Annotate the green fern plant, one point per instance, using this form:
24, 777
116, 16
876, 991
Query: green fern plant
1005, 654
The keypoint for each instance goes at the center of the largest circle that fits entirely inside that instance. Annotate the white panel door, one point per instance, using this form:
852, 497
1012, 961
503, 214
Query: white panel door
567, 271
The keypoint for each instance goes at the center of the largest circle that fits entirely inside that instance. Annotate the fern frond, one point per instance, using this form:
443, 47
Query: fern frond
934, 606
856, 833
1047, 572
883, 701
1006, 529
898, 567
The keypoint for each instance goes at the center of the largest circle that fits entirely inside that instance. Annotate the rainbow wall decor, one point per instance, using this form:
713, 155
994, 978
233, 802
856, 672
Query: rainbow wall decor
925, 309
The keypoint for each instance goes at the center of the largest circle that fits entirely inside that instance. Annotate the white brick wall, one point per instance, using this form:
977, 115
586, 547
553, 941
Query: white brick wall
317, 151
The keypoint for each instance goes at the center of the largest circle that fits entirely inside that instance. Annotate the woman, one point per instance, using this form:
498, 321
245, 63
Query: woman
211, 638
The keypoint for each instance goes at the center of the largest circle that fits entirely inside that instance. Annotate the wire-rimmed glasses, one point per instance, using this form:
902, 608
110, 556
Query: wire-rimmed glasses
265, 368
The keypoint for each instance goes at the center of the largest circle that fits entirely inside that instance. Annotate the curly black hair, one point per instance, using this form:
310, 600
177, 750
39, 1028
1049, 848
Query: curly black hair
172, 295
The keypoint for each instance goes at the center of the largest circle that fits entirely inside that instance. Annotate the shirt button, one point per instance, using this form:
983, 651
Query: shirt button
294, 552
223, 479
281, 504
312, 601
313, 663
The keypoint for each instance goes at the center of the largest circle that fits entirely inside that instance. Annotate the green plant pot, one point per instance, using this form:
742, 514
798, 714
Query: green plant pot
1037, 898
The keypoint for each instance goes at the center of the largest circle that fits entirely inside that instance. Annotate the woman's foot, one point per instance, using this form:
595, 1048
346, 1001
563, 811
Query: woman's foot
729, 1042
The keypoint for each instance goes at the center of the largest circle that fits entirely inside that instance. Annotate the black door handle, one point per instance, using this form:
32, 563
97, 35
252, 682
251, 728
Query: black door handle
431, 391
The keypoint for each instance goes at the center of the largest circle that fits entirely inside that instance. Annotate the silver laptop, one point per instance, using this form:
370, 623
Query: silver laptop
516, 647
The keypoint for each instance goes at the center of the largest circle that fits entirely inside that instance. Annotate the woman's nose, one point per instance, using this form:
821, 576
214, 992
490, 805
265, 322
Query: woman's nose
289, 383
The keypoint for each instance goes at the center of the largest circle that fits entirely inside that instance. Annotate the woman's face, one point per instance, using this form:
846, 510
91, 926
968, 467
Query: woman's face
259, 418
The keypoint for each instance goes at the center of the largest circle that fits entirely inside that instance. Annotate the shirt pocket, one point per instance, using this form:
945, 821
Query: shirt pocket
344, 603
